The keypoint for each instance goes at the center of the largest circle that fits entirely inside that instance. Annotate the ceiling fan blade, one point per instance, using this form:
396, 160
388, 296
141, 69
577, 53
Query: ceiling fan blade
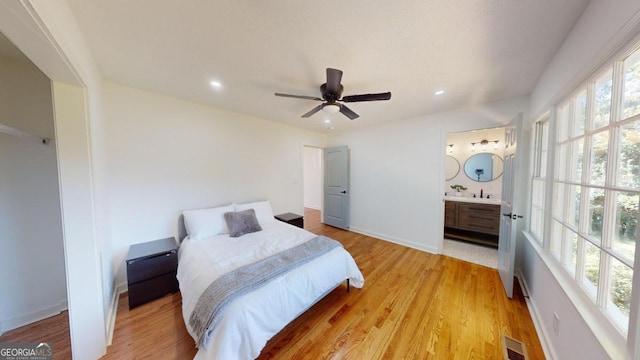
348, 112
313, 111
299, 96
334, 76
367, 97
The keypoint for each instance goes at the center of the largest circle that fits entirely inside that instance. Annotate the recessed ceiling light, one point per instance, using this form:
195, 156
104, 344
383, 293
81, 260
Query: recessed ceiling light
327, 121
216, 84
439, 92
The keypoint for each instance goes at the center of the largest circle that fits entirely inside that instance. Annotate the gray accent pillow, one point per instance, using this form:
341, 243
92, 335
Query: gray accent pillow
242, 222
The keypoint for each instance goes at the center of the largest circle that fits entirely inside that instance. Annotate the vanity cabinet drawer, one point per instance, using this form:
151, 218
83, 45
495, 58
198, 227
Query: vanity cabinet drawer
481, 209
478, 225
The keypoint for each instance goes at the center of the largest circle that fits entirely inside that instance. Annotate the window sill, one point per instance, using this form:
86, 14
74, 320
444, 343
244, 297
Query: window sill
609, 336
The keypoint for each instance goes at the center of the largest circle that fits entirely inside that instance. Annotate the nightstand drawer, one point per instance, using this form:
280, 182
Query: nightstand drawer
151, 289
297, 222
146, 268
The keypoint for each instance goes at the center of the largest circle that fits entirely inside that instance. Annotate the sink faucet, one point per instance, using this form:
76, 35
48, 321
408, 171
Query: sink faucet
480, 193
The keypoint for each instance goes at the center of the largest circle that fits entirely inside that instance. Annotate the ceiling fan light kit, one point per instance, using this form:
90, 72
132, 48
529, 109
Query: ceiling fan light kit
332, 97
331, 108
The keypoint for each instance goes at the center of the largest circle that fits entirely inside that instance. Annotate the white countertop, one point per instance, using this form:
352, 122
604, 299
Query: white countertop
493, 201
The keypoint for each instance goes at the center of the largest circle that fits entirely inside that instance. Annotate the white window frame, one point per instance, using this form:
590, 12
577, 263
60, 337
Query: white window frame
596, 316
540, 149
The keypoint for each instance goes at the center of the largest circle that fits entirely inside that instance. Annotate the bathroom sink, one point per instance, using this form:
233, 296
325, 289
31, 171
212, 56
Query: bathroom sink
473, 200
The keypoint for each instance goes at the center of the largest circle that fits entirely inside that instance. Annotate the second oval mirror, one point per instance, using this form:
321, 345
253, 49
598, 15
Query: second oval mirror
452, 167
483, 167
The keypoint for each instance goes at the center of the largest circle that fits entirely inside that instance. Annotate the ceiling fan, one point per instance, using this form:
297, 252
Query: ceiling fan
331, 96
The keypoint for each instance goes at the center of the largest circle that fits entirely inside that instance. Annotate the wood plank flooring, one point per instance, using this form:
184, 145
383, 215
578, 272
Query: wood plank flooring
414, 305
54, 330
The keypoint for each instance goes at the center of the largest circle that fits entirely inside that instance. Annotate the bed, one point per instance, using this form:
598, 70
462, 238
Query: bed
248, 321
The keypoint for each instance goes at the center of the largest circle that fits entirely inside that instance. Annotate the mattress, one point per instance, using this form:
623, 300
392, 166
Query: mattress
251, 320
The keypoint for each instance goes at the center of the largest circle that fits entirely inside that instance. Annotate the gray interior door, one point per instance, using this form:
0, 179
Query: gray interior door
336, 187
508, 228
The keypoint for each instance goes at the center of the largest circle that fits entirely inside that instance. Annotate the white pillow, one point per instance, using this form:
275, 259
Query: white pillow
204, 223
262, 209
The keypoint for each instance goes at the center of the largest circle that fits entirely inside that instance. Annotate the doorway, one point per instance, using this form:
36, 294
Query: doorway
30, 206
312, 163
473, 188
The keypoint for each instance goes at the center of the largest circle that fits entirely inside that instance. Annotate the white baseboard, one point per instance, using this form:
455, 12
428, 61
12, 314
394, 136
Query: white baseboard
395, 240
543, 335
113, 310
32, 317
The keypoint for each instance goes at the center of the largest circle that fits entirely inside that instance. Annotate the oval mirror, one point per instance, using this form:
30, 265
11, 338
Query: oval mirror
483, 167
452, 167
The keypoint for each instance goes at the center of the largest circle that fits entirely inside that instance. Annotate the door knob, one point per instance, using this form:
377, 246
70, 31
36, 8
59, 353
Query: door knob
343, 191
507, 215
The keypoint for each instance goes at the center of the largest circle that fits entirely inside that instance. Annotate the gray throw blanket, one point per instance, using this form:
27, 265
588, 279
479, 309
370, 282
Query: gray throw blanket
208, 310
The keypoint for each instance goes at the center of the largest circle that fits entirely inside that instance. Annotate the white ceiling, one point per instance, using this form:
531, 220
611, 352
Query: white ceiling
477, 51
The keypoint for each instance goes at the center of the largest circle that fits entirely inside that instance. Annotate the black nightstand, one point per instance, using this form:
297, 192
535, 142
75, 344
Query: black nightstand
151, 270
291, 218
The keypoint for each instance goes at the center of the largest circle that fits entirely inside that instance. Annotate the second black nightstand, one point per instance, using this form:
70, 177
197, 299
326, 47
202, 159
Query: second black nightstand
151, 270
291, 218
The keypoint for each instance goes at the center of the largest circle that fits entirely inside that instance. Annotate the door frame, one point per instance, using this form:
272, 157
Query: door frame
40, 30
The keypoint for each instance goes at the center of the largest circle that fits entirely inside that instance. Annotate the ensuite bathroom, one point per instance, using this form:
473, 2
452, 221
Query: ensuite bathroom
473, 185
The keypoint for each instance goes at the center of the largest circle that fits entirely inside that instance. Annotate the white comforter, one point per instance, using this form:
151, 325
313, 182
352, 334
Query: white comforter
251, 320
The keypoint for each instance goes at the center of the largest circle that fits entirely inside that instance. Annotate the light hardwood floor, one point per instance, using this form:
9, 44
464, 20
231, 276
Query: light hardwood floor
53, 330
414, 305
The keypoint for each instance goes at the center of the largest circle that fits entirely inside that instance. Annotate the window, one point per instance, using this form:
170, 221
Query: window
538, 182
595, 186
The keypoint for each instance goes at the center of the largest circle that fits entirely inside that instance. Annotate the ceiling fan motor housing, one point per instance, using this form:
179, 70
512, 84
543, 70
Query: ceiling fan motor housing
330, 97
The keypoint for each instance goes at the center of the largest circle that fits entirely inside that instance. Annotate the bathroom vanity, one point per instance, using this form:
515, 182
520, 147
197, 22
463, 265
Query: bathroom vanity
472, 219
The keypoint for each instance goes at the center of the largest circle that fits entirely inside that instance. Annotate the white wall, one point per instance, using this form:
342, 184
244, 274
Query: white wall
602, 29
32, 272
167, 155
312, 163
462, 151
397, 172
572, 327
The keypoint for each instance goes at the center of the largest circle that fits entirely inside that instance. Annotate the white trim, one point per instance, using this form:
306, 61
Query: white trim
113, 310
600, 327
395, 240
633, 337
32, 317
543, 335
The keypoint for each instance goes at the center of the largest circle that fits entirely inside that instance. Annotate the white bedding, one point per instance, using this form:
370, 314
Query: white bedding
251, 320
